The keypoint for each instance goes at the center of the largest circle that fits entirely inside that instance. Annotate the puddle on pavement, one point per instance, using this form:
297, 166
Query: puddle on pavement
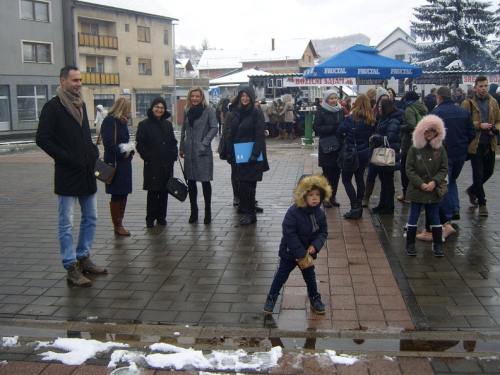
342, 344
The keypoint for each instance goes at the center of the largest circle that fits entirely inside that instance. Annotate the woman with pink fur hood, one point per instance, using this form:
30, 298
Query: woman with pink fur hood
426, 167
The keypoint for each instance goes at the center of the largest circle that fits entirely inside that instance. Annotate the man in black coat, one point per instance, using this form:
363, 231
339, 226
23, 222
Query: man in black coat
460, 133
431, 100
64, 134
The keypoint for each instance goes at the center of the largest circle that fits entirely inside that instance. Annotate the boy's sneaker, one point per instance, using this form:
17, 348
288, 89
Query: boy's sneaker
269, 306
317, 305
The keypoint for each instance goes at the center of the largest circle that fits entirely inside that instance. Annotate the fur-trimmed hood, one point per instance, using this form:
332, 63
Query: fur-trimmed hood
307, 184
435, 122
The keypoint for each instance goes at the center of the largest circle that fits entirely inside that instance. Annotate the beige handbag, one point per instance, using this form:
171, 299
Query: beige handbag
384, 156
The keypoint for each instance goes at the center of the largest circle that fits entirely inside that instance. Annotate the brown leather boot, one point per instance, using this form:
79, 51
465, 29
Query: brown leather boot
116, 217
368, 193
123, 206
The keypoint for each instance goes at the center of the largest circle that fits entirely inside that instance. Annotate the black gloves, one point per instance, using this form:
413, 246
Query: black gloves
253, 159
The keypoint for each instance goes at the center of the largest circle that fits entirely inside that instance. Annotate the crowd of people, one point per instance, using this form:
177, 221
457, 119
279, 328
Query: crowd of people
430, 141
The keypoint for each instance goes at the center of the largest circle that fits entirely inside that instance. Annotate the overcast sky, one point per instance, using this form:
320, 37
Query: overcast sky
230, 24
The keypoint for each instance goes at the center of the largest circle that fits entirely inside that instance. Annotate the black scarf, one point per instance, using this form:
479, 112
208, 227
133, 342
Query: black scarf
194, 113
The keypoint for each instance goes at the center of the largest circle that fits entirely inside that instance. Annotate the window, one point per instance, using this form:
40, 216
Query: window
145, 66
4, 108
400, 57
37, 52
127, 60
106, 100
127, 27
309, 58
143, 102
35, 10
143, 34
167, 68
53, 90
165, 37
95, 64
90, 28
30, 100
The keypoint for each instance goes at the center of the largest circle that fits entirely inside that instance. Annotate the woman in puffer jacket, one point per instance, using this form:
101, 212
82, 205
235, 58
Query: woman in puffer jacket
357, 129
390, 121
426, 168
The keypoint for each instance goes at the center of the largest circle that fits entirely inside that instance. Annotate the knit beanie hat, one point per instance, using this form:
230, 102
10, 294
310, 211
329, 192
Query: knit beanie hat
411, 95
381, 91
157, 100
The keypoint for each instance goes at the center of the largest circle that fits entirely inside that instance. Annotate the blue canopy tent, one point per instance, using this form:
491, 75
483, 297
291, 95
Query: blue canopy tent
361, 61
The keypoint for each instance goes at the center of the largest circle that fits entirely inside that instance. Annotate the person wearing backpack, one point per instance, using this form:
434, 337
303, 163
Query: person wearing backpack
414, 111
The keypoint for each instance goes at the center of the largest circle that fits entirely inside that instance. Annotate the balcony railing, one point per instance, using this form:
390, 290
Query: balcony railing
101, 79
98, 41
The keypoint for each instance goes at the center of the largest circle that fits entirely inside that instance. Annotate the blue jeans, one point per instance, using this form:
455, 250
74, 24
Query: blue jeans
88, 205
372, 172
451, 201
284, 270
431, 209
289, 127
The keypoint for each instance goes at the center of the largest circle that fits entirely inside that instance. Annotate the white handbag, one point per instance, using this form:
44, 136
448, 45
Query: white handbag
384, 156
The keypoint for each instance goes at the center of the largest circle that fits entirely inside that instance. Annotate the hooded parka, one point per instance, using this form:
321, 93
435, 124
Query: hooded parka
305, 225
196, 143
157, 146
430, 154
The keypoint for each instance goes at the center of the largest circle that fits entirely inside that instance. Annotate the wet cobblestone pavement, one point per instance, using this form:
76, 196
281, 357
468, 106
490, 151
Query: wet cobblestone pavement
427, 315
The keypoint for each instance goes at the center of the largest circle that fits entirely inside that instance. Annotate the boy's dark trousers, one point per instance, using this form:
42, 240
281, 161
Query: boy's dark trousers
284, 270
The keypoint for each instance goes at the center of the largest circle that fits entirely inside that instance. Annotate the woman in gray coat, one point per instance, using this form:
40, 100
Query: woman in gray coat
198, 130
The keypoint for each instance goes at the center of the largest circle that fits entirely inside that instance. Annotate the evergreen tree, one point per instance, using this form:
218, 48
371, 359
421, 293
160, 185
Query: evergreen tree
454, 34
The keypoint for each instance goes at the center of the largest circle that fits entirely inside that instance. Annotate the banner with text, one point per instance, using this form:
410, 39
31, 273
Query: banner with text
299, 81
472, 79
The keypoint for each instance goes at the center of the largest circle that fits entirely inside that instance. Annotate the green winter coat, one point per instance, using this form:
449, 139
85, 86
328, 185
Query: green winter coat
406, 130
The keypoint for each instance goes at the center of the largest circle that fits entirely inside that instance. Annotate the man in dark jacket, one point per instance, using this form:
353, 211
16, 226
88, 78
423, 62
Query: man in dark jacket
431, 100
460, 133
64, 134
459, 96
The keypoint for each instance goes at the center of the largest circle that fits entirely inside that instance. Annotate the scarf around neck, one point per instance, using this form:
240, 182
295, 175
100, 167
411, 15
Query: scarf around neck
195, 113
330, 108
73, 103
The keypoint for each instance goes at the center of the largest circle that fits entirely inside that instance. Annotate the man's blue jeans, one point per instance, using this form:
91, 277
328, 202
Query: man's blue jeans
88, 205
451, 202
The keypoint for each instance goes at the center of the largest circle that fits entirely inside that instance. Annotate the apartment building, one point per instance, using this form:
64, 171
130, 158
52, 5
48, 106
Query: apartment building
32, 54
123, 48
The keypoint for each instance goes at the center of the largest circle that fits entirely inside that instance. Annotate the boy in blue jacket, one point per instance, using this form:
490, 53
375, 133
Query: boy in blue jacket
304, 231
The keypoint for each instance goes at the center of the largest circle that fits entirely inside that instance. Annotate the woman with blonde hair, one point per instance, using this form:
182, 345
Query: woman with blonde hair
115, 133
357, 129
198, 130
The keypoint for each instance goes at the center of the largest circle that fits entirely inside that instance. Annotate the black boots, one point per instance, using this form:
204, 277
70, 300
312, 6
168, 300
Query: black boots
248, 219
387, 210
437, 240
331, 203
194, 213
269, 306
411, 233
355, 213
317, 305
208, 214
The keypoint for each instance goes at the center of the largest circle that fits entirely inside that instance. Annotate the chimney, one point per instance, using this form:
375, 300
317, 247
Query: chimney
272, 44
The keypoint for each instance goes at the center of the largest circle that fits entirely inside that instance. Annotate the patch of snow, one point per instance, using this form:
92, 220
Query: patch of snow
78, 350
10, 341
342, 359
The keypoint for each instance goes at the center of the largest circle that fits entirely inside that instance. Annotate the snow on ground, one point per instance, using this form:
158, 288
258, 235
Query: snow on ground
166, 356
9, 341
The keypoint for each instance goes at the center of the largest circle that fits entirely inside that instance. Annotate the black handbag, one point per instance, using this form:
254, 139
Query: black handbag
103, 171
346, 161
177, 188
222, 149
328, 144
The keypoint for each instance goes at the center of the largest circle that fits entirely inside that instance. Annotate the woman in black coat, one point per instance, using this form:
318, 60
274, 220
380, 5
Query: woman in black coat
118, 152
357, 129
157, 146
247, 125
327, 120
390, 121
